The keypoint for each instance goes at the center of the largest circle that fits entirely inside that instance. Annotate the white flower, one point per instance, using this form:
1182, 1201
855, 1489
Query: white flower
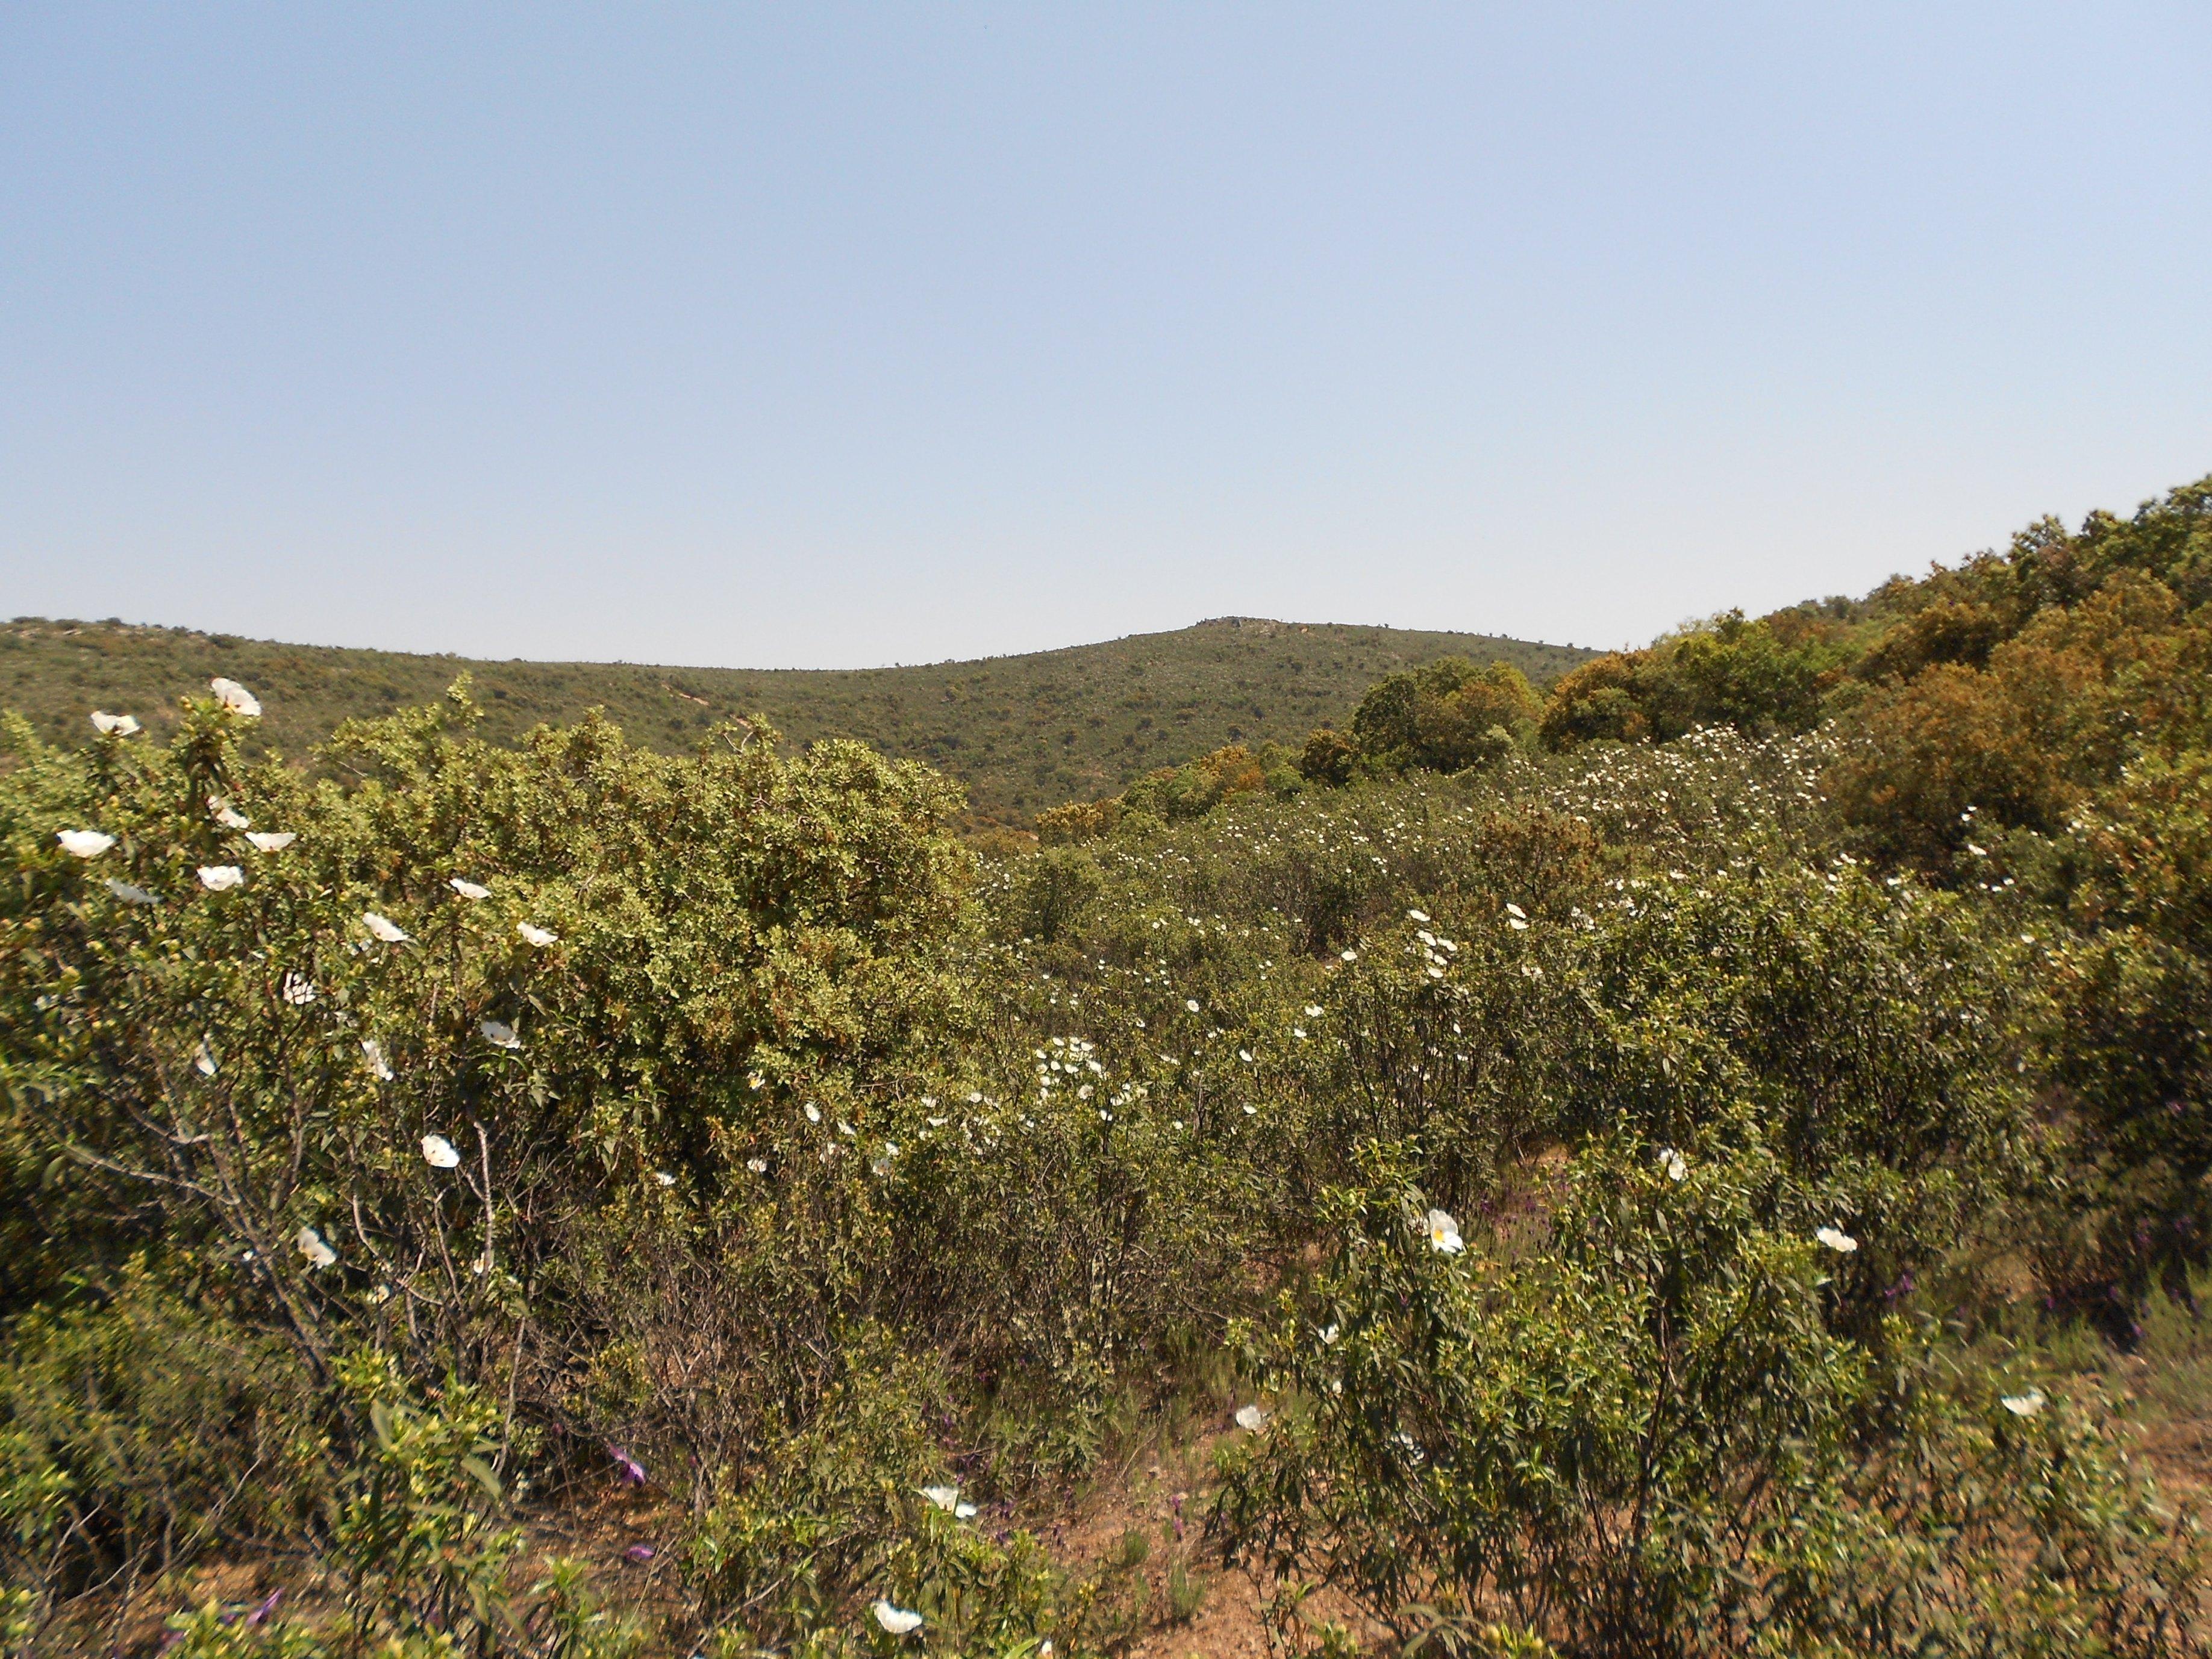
1252, 1418
1244, 1054
1417, 915
1516, 910
298, 990
221, 877
1673, 1164
540, 937
84, 843
499, 1034
664, 1178
1350, 956
235, 697
813, 1112
438, 1152
945, 1498
377, 1065
1329, 1335
758, 1165
899, 1621
968, 1512
469, 890
1191, 1003
114, 726
226, 815
271, 841
1516, 924
1314, 1010
203, 1059
130, 894
311, 1247
1838, 1240
1444, 1233
2023, 1405
384, 927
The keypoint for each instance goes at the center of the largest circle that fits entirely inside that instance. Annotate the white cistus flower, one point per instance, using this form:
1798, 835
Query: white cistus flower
84, 843
1252, 1418
235, 697
384, 927
221, 877
1191, 1003
114, 726
311, 1245
440, 1153
298, 990
1837, 1240
899, 1621
271, 841
469, 890
226, 815
1444, 1233
540, 937
945, 1498
499, 1034
2023, 1405
129, 894
378, 1067
1676, 1166
758, 1165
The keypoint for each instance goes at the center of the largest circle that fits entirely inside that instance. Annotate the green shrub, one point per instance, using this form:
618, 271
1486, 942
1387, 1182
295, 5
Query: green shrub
1644, 1433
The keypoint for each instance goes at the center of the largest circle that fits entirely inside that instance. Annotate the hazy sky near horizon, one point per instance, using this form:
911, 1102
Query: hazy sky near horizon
835, 336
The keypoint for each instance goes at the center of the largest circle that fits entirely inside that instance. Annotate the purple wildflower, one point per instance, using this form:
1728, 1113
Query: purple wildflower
640, 1553
632, 1470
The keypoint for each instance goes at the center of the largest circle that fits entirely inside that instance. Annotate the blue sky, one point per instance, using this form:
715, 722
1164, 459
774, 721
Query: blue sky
821, 336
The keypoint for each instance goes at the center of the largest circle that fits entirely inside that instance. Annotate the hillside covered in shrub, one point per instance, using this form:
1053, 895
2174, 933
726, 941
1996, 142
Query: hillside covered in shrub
1713, 1156
1021, 733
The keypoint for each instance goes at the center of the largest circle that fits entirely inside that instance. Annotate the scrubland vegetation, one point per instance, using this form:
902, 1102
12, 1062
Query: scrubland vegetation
1711, 1160
1022, 733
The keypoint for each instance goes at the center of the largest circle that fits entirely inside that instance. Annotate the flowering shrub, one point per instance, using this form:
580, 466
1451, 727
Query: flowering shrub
1640, 1429
1598, 1171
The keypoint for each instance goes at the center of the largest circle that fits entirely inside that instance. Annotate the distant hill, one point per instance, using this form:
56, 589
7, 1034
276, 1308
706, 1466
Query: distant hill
1023, 732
